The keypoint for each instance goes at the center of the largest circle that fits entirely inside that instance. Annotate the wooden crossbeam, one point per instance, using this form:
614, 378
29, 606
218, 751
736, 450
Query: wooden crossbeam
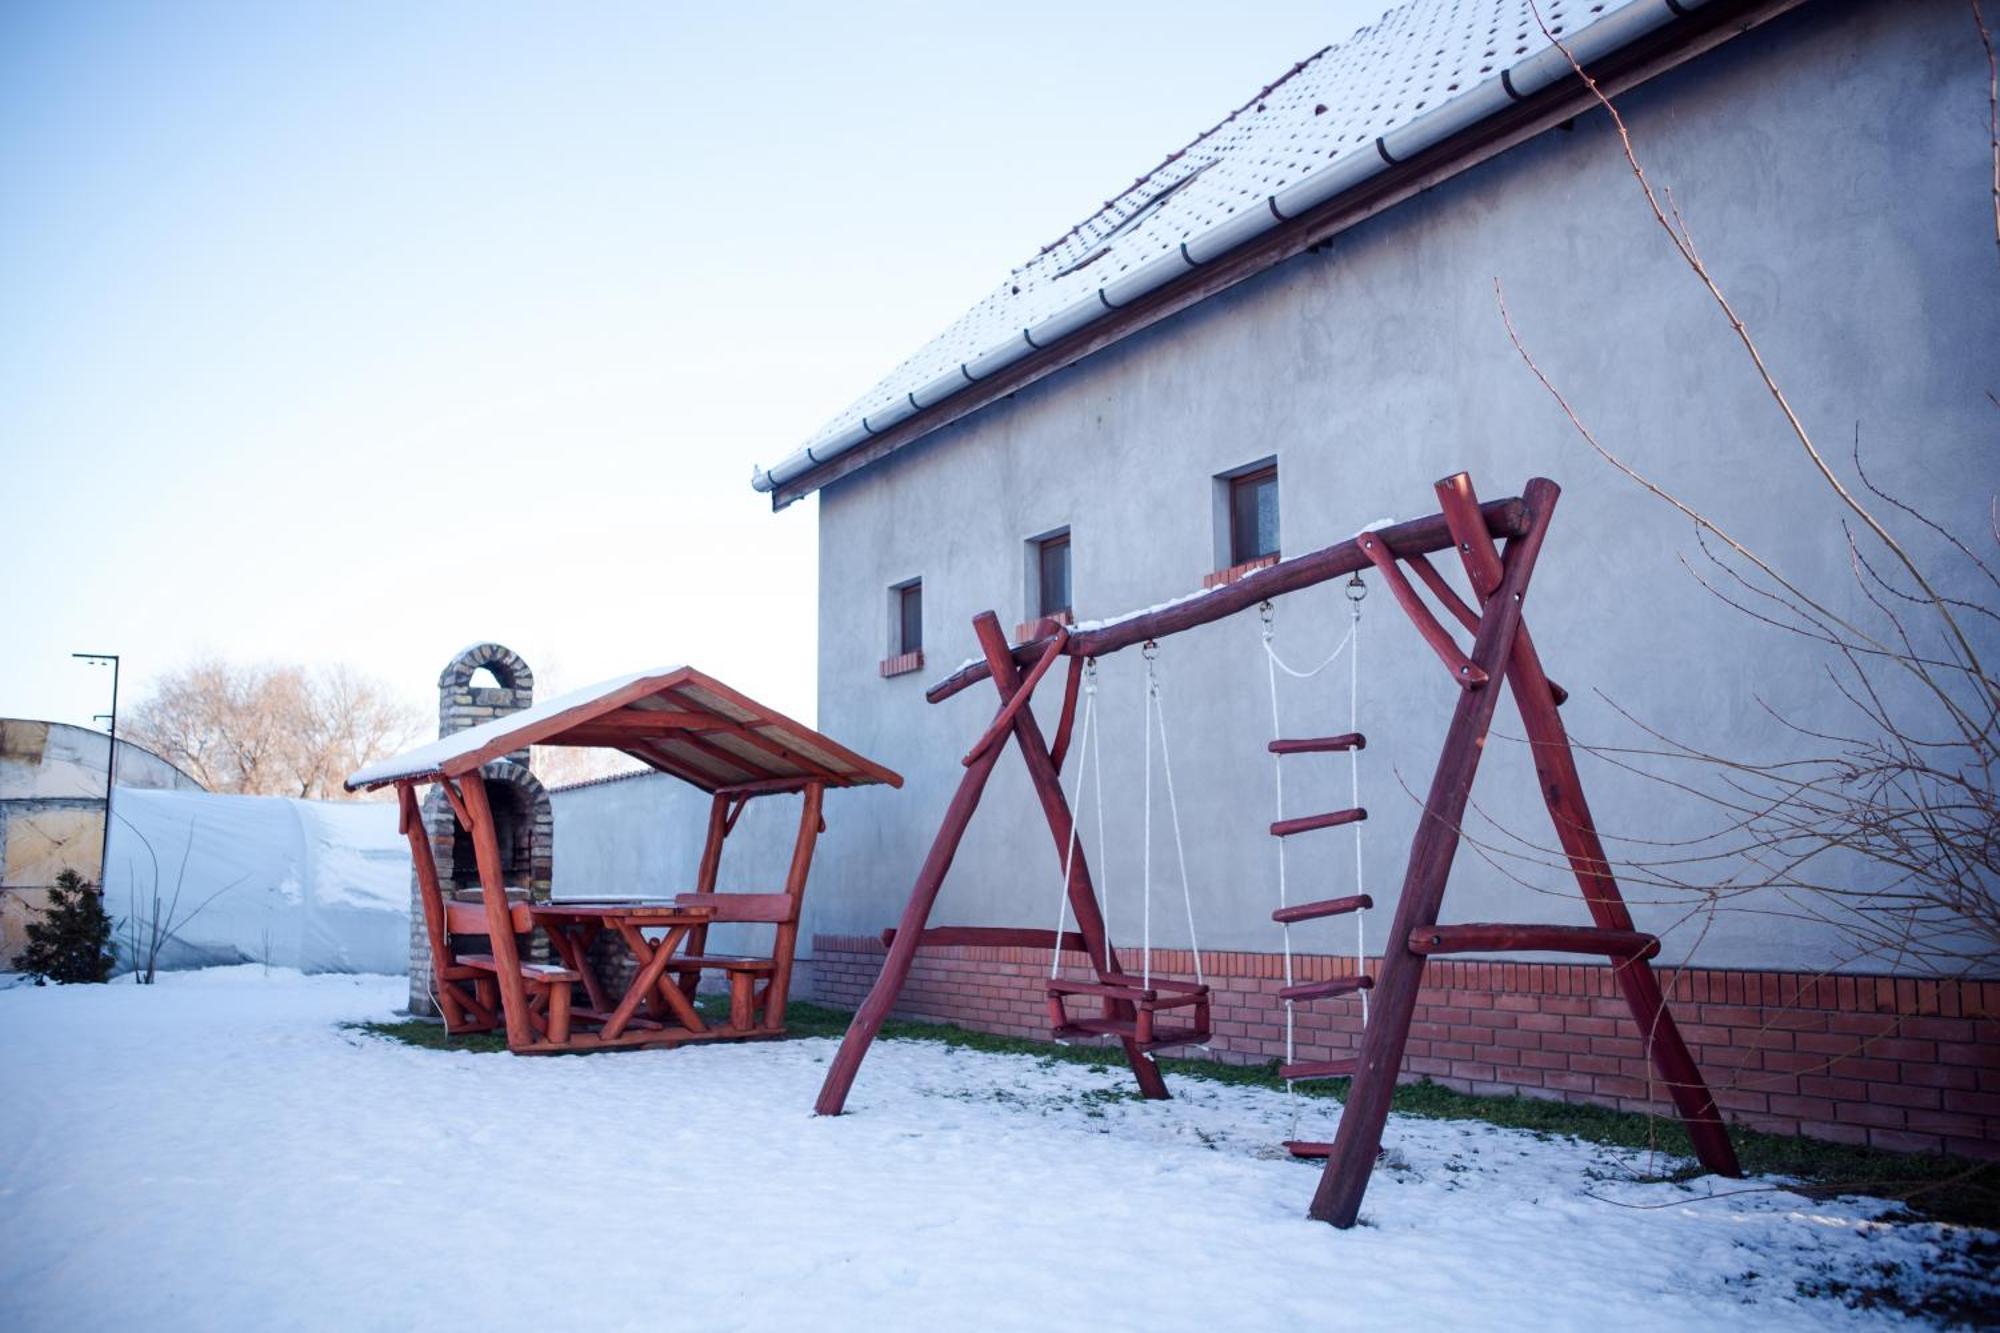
1464, 670
1503, 518
1003, 721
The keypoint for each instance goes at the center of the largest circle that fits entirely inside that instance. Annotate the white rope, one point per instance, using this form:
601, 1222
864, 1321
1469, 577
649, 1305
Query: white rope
1354, 784
1146, 858
1297, 674
1274, 664
1278, 785
1103, 871
1076, 794
1180, 848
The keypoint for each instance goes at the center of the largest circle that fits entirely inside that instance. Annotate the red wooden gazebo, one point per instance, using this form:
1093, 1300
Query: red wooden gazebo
682, 723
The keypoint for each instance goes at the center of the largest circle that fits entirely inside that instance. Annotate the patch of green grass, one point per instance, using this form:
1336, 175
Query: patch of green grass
428, 1034
1931, 1187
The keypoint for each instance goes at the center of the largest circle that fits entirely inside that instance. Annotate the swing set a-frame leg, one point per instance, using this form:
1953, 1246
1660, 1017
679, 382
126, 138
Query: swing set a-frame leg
868, 1019
1055, 807
1502, 646
1562, 790
1359, 1137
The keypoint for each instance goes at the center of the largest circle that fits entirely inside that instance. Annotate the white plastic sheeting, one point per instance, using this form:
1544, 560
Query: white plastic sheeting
322, 886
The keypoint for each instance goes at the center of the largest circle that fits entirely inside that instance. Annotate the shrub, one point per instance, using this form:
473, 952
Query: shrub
72, 941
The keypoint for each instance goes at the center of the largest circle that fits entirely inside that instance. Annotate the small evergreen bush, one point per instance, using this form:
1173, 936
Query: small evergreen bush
72, 941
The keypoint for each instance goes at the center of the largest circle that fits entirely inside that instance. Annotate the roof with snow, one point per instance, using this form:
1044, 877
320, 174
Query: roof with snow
1420, 74
674, 719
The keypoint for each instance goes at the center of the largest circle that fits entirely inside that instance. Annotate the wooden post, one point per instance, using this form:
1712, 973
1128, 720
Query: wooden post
1345, 1178
787, 942
431, 895
720, 821
493, 892
1067, 718
1055, 807
1562, 790
868, 1019
559, 997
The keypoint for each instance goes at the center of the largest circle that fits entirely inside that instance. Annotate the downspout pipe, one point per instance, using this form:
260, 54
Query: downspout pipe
1531, 75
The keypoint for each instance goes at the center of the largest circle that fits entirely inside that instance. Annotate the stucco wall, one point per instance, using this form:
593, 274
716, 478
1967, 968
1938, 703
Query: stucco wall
1833, 167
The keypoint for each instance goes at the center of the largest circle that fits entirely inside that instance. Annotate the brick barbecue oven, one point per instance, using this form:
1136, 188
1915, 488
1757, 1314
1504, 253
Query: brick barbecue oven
520, 804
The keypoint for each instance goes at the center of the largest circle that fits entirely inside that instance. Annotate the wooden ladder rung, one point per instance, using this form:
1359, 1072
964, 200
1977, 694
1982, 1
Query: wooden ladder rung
1319, 1069
1326, 990
1506, 937
1354, 902
1285, 828
1352, 740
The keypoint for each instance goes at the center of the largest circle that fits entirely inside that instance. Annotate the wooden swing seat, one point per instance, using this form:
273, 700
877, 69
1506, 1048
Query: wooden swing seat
1127, 1029
1143, 999
1159, 993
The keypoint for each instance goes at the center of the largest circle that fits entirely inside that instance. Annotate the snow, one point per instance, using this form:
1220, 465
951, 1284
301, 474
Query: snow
323, 886
218, 1151
1412, 62
430, 757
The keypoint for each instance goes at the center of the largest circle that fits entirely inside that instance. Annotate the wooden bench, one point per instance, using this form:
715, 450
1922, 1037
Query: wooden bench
548, 986
743, 975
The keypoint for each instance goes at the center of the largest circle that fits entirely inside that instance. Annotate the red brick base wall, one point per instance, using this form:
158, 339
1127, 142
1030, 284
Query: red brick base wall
1894, 1062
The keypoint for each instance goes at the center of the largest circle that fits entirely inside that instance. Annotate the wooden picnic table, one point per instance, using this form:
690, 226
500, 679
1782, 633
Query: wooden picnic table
573, 926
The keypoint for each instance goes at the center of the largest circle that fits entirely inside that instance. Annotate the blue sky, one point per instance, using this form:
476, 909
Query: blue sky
361, 331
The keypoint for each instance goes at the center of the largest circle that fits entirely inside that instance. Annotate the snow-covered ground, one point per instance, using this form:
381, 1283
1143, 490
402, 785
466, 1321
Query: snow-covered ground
220, 1152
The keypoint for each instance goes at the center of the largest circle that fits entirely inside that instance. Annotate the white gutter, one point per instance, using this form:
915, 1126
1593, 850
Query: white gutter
1534, 73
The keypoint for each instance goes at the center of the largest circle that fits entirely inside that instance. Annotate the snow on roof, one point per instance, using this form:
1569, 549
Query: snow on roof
675, 719
1325, 112
433, 757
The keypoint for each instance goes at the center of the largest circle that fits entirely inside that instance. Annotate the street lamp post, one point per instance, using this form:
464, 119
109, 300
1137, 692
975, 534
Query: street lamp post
111, 761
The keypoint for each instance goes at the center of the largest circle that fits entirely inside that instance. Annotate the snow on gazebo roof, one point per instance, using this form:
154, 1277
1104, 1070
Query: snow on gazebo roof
674, 719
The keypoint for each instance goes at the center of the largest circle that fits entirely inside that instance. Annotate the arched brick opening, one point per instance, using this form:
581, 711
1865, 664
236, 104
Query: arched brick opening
520, 804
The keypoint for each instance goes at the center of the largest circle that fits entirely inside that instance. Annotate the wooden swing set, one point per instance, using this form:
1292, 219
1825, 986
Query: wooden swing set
1498, 544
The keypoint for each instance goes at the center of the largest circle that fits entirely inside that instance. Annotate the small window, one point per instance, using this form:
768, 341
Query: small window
1052, 575
910, 618
1253, 515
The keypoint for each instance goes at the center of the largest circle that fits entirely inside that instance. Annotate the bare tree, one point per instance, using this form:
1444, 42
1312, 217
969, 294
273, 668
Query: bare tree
1883, 821
271, 730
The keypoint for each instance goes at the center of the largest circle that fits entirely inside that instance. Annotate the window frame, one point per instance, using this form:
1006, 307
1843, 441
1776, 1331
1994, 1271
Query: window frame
1042, 547
904, 596
1245, 547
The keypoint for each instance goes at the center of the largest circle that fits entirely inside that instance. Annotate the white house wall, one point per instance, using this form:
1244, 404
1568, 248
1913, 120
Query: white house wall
1835, 170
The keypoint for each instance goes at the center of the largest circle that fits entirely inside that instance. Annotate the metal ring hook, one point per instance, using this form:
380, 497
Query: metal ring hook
1356, 590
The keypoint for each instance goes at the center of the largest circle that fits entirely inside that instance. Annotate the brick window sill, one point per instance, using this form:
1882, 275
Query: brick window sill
1029, 630
902, 664
1235, 572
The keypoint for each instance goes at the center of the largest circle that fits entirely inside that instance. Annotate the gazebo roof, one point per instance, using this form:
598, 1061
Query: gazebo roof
674, 719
